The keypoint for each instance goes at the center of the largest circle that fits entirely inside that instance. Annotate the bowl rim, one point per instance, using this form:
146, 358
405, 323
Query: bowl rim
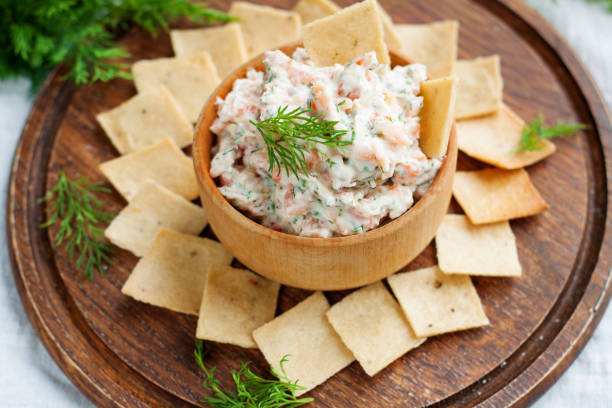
209, 186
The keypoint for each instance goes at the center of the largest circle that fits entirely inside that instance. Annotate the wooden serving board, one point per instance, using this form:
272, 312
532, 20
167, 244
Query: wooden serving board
123, 353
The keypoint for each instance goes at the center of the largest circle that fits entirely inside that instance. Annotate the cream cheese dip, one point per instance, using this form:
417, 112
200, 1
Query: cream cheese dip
350, 189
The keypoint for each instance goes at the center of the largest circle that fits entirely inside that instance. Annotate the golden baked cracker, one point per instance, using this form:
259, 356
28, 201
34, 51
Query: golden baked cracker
173, 273
493, 195
265, 28
494, 139
390, 34
479, 88
190, 80
433, 45
225, 44
303, 332
311, 10
372, 325
437, 115
145, 119
436, 303
486, 250
163, 163
235, 303
346, 35
152, 209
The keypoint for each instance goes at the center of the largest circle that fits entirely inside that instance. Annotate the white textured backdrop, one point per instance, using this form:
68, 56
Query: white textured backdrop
30, 378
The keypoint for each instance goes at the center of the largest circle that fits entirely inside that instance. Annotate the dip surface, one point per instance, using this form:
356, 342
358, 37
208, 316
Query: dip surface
350, 189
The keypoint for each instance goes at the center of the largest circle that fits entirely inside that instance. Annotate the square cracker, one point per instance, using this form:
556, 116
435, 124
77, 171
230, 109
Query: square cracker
479, 90
144, 120
434, 45
371, 324
225, 44
235, 303
152, 209
173, 273
163, 163
494, 138
311, 10
346, 35
303, 332
437, 115
265, 28
437, 303
493, 195
190, 80
486, 250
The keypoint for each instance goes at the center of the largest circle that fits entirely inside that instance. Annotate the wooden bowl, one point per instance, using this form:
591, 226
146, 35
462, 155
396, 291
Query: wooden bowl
318, 263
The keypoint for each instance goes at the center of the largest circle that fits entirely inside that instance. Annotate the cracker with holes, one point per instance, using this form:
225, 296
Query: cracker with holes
163, 163
303, 332
494, 195
152, 209
434, 45
173, 273
479, 89
265, 28
225, 44
372, 325
190, 80
436, 303
485, 250
235, 303
311, 10
494, 139
145, 119
346, 35
437, 115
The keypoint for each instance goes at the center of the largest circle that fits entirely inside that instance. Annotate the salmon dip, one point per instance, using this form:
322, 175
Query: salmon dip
350, 189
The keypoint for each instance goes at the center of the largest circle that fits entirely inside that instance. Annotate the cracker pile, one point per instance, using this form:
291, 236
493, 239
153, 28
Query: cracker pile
374, 325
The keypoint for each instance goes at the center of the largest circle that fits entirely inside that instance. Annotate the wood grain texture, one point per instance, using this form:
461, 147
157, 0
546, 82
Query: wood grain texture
318, 263
123, 353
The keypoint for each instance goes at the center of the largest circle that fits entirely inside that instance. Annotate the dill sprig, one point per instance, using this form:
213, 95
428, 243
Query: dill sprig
72, 205
534, 132
252, 391
36, 35
289, 135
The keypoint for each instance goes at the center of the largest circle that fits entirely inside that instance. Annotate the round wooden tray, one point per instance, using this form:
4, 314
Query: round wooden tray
123, 353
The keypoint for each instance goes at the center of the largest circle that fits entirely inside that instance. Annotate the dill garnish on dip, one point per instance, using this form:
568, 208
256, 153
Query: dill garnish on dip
322, 151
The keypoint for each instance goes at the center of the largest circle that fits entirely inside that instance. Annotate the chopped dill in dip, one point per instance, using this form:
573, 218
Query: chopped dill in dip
350, 188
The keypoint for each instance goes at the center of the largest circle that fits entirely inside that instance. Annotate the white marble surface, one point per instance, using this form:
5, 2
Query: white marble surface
30, 378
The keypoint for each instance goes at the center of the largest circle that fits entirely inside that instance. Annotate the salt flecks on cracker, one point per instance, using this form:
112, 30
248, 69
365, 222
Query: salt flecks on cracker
372, 325
190, 80
436, 303
479, 88
437, 115
173, 273
225, 44
152, 209
486, 250
433, 45
311, 10
145, 119
265, 28
494, 139
235, 303
493, 195
346, 35
315, 350
163, 163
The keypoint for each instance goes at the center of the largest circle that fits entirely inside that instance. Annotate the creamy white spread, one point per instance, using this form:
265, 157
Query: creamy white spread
350, 189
